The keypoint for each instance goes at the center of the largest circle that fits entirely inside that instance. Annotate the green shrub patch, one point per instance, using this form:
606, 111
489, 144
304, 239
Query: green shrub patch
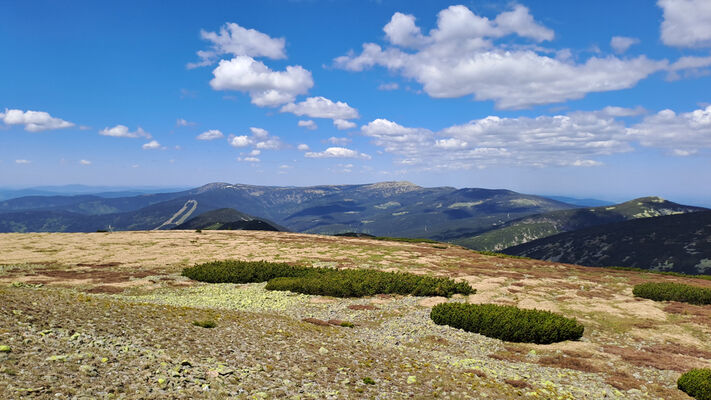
508, 323
326, 281
235, 271
368, 282
669, 291
696, 383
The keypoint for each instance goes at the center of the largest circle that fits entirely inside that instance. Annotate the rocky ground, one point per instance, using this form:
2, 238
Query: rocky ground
109, 316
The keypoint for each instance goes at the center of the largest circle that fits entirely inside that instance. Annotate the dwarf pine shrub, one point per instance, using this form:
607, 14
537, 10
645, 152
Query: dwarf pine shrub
325, 281
696, 383
508, 323
236, 271
668, 291
368, 282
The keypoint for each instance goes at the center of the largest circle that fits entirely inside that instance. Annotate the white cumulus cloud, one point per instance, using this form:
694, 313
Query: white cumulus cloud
321, 107
563, 140
212, 134
339, 141
337, 152
123, 131
687, 23
240, 141
152, 145
682, 134
460, 58
308, 124
84, 162
239, 41
622, 43
266, 87
342, 124
22, 161
303, 147
33, 121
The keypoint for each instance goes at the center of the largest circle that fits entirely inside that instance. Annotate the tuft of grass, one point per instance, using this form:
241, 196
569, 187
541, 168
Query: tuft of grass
205, 323
669, 291
347, 324
696, 383
368, 381
508, 323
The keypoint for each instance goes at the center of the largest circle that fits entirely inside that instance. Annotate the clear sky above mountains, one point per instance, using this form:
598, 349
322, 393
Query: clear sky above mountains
608, 99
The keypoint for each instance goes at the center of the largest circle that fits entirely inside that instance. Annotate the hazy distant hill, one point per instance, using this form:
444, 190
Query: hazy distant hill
679, 243
227, 219
538, 226
381, 209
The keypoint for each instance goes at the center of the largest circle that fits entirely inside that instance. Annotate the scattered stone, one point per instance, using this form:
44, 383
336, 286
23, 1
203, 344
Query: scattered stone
323, 351
362, 307
337, 322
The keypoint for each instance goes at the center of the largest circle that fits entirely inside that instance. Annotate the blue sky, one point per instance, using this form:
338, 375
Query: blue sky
606, 99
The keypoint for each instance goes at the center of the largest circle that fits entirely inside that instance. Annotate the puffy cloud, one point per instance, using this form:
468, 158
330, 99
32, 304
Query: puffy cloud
265, 86
212, 134
152, 145
249, 159
259, 133
272, 143
459, 58
238, 41
184, 122
613, 111
308, 124
260, 138
342, 124
321, 107
122, 131
687, 23
337, 152
338, 141
34, 121
23, 162
303, 147
84, 162
565, 140
240, 141
689, 66
682, 134
622, 43
255, 152
402, 31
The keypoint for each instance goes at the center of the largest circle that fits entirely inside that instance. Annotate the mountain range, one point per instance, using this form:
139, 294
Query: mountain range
480, 219
539, 226
677, 243
382, 209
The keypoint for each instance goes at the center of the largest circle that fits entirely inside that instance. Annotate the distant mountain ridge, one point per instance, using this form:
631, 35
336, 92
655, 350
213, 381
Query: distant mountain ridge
538, 226
382, 209
677, 243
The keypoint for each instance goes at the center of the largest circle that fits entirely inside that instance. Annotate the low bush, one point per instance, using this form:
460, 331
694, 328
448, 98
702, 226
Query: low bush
205, 324
668, 291
235, 271
696, 383
325, 281
368, 282
508, 323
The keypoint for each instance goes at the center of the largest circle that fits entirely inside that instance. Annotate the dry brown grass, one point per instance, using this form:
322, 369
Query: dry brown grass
562, 361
